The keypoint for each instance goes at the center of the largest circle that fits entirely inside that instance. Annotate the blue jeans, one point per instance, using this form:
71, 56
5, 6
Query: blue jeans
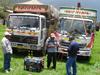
71, 64
7, 59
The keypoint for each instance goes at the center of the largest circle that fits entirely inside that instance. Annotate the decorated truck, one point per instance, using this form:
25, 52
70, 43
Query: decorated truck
29, 25
80, 23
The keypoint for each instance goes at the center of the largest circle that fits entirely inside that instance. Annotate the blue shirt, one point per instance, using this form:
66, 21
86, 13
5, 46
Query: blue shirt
53, 44
73, 49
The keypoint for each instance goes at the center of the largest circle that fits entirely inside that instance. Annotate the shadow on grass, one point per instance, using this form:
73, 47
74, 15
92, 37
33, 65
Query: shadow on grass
80, 59
2, 70
20, 54
34, 71
84, 60
23, 54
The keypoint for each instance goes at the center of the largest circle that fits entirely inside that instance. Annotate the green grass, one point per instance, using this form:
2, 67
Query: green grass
91, 67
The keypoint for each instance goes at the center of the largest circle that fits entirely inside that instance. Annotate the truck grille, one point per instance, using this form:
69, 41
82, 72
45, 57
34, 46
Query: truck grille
82, 45
63, 43
25, 39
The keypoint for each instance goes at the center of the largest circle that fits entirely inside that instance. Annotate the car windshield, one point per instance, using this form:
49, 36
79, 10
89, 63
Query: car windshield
19, 21
80, 26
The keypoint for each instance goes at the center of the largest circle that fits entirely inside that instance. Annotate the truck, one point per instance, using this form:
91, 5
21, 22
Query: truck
29, 25
80, 23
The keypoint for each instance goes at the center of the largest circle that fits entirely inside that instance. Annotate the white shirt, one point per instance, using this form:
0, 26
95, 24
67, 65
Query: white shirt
6, 45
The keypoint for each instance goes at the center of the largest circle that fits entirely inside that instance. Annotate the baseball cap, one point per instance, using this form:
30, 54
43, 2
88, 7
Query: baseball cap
7, 33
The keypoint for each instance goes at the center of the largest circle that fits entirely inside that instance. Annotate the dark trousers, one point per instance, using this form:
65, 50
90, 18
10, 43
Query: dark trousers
51, 57
7, 59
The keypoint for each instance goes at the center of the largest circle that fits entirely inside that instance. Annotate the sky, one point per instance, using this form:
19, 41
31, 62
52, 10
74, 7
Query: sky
95, 4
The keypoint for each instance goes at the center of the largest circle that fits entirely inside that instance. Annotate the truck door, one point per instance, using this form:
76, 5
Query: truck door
43, 30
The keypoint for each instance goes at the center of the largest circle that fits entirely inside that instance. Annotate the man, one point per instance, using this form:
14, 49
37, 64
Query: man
72, 55
7, 50
51, 45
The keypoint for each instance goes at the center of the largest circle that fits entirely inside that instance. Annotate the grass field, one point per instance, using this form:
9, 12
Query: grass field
91, 67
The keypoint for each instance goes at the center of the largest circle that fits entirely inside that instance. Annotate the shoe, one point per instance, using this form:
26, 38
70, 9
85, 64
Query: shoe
10, 69
53, 67
6, 71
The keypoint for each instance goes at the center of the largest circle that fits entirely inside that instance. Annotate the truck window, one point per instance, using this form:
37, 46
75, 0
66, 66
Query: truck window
20, 21
89, 27
67, 25
43, 23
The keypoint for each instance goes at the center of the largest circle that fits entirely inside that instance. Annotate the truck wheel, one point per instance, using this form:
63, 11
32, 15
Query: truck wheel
88, 58
15, 51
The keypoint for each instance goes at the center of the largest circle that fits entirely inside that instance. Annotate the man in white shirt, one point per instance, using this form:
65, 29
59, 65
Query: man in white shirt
7, 50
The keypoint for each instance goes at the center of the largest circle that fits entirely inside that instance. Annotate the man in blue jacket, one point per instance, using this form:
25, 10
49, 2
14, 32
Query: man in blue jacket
72, 55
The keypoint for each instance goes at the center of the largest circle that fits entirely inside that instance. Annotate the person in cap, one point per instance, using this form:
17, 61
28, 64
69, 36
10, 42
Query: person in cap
51, 45
7, 51
72, 56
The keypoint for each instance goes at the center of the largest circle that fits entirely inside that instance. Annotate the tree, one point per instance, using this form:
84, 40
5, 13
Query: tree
5, 3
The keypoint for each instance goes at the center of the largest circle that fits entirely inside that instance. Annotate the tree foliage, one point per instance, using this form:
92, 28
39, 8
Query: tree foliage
7, 4
4, 4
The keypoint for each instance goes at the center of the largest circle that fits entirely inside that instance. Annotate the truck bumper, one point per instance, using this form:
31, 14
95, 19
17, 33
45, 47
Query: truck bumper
25, 46
84, 53
62, 50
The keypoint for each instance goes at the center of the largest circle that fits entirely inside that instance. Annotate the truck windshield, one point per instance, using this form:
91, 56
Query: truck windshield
78, 26
23, 21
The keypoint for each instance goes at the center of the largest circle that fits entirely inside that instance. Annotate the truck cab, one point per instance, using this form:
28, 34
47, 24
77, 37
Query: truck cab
80, 23
81, 29
28, 30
